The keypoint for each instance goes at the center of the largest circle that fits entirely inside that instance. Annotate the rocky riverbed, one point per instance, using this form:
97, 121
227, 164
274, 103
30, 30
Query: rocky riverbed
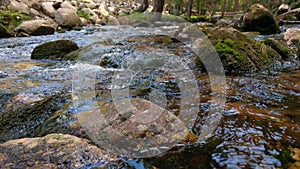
259, 125
143, 93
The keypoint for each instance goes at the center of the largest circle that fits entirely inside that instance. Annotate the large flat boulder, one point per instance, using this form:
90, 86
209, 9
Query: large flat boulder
51, 151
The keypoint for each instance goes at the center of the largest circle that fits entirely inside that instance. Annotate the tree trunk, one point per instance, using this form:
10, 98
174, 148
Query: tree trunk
158, 7
237, 5
189, 9
214, 11
229, 6
223, 9
144, 6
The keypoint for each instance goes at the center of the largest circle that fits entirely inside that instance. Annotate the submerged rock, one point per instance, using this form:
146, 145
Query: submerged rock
240, 53
20, 115
258, 19
134, 127
51, 151
54, 49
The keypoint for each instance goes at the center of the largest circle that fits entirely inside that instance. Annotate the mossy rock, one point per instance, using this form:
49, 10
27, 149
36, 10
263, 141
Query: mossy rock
72, 56
238, 52
54, 50
18, 121
280, 48
259, 19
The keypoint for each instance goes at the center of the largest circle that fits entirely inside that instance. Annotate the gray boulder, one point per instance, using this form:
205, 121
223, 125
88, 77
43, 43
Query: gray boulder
19, 6
48, 9
67, 18
68, 4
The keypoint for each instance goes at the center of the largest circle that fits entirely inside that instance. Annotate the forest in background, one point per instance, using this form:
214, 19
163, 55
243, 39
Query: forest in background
210, 7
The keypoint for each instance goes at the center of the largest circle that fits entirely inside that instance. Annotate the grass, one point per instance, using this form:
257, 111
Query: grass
11, 19
136, 17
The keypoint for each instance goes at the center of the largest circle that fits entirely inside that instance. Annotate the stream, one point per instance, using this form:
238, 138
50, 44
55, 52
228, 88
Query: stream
260, 127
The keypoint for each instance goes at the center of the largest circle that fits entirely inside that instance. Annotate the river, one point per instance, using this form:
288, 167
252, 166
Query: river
261, 119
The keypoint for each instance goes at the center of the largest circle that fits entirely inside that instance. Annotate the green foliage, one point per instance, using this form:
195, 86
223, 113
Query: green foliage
11, 19
285, 158
178, 2
83, 14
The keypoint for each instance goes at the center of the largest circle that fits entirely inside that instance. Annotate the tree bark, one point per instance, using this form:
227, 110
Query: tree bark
214, 10
158, 7
223, 8
144, 6
237, 5
189, 9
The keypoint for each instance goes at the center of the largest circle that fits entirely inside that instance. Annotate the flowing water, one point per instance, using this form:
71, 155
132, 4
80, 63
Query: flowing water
260, 127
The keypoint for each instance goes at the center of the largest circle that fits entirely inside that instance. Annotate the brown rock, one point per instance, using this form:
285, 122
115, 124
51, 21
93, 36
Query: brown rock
51, 151
37, 27
67, 18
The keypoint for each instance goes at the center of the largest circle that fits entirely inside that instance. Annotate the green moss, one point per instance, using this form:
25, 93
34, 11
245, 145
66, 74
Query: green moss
199, 18
285, 158
281, 49
238, 52
226, 49
83, 14
72, 56
137, 17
